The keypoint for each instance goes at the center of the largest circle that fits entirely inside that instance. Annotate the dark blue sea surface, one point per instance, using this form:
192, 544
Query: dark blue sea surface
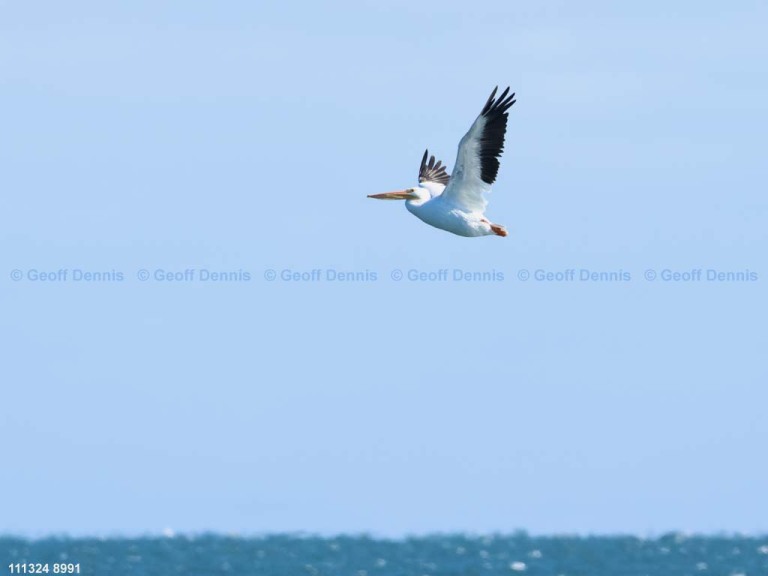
440, 555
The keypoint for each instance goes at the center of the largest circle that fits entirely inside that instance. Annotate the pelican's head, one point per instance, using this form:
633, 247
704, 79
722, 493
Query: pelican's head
415, 195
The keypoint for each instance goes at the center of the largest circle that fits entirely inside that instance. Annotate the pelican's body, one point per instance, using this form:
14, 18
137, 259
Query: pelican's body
457, 203
440, 213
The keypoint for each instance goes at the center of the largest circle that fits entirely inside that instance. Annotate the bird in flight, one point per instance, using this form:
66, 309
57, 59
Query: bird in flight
456, 203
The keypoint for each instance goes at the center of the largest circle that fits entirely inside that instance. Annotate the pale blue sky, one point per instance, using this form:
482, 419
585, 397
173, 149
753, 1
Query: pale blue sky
246, 136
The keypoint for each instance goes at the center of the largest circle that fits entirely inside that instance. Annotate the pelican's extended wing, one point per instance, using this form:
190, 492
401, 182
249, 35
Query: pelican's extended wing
432, 176
477, 161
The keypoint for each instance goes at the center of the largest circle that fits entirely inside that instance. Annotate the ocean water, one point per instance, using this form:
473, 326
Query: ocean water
441, 555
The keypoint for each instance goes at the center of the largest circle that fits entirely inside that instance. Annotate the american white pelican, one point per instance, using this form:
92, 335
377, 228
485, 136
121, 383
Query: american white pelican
457, 203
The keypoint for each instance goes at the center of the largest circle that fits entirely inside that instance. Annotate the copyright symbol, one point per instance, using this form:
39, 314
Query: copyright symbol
523, 274
396, 275
270, 275
143, 275
17, 275
650, 275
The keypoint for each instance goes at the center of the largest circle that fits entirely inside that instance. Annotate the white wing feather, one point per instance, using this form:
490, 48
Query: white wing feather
466, 188
434, 188
477, 161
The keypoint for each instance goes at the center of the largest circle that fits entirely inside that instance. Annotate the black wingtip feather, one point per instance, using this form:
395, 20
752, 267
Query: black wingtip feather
492, 139
489, 102
431, 171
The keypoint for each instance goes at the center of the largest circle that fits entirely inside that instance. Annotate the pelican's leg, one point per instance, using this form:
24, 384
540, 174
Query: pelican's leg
497, 229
